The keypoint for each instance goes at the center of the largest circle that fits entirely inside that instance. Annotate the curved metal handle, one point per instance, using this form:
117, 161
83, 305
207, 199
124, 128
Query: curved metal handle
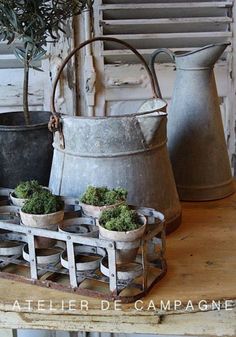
152, 66
111, 39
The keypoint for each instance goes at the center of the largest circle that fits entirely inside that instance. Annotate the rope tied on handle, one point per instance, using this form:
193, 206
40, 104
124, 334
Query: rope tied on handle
55, 125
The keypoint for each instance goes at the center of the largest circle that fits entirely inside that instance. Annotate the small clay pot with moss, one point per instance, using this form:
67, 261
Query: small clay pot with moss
97, 199
123, 225
43, 210
25, 191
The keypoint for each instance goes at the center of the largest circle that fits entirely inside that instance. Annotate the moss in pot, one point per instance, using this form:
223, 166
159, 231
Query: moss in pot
24, 191
97, 199
43, 210
123, 225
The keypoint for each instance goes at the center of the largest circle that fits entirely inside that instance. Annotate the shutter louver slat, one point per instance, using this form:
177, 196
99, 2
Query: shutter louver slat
161, 2
116, 5
177, 25
165, 25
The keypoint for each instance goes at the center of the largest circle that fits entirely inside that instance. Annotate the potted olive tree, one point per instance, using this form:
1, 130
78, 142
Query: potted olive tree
122, 224
97, 199
25, 141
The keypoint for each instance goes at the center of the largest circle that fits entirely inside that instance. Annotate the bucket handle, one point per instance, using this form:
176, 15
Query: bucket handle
151, 75
152, 66
54, 122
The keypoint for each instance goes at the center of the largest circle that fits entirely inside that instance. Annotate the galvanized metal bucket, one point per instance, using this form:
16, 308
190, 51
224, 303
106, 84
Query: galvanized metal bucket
127, 151
196, 138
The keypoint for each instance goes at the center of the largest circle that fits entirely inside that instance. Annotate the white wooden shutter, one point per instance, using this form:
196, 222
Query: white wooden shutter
11, 75
65, 98
149, 25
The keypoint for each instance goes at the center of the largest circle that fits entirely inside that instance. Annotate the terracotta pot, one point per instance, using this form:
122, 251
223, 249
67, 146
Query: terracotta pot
44, 221
124, 255
42, 242
95, 211
17, 201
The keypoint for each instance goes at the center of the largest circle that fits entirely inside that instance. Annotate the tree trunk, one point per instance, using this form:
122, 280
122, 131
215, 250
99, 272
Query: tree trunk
26, 92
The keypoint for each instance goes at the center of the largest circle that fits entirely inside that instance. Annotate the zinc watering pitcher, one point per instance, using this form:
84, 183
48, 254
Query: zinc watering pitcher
196, 138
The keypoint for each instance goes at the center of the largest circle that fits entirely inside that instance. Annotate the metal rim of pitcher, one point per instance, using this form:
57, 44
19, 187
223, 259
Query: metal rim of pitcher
173, 56
202, 48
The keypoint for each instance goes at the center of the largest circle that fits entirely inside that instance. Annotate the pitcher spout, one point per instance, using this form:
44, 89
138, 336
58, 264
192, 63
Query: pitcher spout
204, 57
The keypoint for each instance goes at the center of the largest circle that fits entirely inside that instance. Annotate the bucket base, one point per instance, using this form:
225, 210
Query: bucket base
173, 224
206, 193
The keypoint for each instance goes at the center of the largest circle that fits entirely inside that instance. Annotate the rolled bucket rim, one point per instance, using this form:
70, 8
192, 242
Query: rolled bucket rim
159, 111
24, 127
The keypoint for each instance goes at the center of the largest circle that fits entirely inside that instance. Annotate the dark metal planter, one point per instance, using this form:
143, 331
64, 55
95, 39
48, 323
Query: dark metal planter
26, 151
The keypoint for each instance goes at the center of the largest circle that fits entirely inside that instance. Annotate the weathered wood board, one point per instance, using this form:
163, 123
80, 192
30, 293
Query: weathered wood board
201, 258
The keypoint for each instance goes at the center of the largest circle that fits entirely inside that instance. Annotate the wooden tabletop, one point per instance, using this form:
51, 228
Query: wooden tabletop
197, 296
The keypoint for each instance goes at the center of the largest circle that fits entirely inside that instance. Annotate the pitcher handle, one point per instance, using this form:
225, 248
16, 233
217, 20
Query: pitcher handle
152, 66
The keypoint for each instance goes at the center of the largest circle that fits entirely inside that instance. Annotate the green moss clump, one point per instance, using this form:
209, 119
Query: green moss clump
120, 218
26, 189
43, 202
101, 196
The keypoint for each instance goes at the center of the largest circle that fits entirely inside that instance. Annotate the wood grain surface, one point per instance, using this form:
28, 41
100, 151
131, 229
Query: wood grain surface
198, 292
